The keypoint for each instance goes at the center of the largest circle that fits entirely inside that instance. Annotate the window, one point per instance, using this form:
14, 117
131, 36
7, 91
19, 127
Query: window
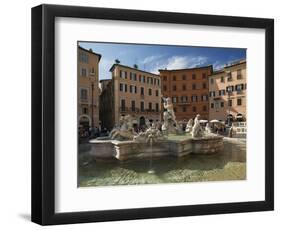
158, 82
149, 92
212, 105
143, 79
203, 75
175, 109
229, 103
174, 78
123, 104
84, 57
121, 87
164, 88
222, 104
204, 108
125, 87
136, 89
142, 91
212, 80
183, 77
239, 74
184, 109
174, 99
157, 107
85, 110
92, 70
131, 76
193, 76
84, 72
139, 78
165, 78
193, 86
142, 106
239, 101
204, 97
229, 89
150, 106
239, 88
229, 76
184, 99
174, 87
221, 92
183, 87
133, 104
135, 76
222, 78
84, 94
123, 74
194, 108
194, 98
204, 85
156, 93
131, 88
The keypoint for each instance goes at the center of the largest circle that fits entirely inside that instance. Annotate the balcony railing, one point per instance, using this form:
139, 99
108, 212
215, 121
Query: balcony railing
136, 110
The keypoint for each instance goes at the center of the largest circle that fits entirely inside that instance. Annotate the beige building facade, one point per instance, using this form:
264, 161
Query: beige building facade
131, 91
228, 93
88, 88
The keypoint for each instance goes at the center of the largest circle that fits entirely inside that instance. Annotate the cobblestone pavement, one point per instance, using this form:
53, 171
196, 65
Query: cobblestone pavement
227, 165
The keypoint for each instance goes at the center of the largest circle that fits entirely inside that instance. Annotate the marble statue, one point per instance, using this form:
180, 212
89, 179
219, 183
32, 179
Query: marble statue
208, 129
170, 124
189, 126
150, 135
125, 130
197, 129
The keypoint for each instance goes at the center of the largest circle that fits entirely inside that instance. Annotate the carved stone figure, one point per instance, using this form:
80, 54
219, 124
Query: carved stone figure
170, 124
197, 129
152, 134
124, 131
208, 129
189, 126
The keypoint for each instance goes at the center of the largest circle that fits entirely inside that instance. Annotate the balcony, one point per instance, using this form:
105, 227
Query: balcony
137, 110
84, 100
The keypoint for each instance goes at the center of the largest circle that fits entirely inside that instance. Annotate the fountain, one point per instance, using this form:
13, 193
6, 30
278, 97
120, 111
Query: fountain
124, 144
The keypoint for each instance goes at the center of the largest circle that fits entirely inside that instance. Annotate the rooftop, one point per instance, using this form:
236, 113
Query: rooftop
195, 68
89, 51
124, 66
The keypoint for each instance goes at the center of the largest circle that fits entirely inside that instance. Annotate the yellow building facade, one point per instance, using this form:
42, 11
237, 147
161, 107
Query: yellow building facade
131, 91
88, 88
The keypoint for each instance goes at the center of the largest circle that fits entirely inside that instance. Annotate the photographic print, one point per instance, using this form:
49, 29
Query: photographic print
150, 114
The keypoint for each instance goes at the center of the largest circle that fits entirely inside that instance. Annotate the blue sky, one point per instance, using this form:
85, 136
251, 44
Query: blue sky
153, 57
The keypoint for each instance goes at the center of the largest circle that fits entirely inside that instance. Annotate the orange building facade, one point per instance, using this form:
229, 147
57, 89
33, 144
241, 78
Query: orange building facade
189, 90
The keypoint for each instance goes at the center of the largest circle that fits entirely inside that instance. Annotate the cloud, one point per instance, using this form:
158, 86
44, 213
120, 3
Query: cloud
150, 59
217, 65
177, 62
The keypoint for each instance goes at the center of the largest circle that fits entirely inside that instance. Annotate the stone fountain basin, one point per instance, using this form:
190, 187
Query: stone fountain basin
104, 149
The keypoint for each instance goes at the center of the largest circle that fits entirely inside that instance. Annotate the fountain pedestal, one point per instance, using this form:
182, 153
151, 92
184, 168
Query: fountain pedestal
126, 150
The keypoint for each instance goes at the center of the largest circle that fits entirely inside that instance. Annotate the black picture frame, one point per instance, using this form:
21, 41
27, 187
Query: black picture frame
43, 114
